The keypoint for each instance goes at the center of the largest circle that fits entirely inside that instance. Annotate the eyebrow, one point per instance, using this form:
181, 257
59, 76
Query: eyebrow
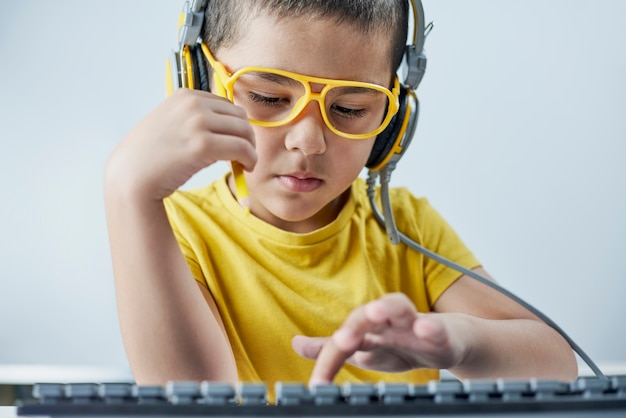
277, 78
290, 82
356, 90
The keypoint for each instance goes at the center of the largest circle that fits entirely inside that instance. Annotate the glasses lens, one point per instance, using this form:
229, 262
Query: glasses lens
267, 97
355, 110
274, 98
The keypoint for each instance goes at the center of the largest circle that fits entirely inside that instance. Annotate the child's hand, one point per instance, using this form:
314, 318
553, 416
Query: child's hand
187, 132
387, 334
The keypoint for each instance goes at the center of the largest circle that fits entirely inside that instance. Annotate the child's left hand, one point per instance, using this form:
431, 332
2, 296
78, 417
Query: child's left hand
387, 334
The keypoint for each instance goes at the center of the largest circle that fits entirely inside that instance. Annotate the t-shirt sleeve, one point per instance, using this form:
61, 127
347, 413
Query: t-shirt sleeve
181, 227
434, 233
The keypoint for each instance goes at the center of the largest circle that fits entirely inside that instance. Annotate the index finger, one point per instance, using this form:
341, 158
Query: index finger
329, 361
341, 346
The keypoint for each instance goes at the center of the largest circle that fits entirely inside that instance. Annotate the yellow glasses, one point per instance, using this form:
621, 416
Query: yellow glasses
271, 97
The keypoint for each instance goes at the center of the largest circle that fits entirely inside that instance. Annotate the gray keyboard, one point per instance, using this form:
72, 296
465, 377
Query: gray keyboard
585, 397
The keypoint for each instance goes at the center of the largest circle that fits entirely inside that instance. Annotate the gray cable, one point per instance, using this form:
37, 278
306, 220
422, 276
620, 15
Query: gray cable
371, 182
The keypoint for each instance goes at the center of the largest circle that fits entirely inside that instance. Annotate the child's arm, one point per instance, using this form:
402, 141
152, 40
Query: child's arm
476, 333
170, 328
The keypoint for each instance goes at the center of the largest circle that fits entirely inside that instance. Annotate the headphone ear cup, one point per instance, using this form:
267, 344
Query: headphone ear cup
200, 69
385, 141
193, 69
187, 68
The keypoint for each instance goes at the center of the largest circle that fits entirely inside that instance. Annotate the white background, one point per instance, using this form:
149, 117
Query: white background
521, 146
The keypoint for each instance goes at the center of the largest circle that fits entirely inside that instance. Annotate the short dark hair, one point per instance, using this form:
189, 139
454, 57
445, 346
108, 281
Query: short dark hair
225, 19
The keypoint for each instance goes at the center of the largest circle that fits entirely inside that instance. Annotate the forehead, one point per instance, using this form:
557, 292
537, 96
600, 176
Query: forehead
317, 47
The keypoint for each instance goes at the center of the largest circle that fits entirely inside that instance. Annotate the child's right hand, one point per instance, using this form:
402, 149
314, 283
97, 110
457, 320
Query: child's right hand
187, 132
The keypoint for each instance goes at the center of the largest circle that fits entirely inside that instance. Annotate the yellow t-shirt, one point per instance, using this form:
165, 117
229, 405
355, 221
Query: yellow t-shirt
270, 284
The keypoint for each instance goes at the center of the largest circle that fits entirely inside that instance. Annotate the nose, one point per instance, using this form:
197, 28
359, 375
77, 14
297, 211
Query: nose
307, 132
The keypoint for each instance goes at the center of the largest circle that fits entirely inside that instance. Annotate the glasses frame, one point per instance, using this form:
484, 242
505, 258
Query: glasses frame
227, 81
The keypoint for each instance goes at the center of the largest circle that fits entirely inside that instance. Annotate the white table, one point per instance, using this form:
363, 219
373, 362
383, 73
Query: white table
27, 374
8, 412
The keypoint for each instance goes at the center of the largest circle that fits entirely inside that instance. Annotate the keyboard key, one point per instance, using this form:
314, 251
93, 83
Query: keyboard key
445, 391
478, 390
512, 390
149, 394
325, 394
252, 393
182, 392
358, 394
116, 392
591, 387
393, 393
49, 393
291, 393
547, 389
217, 393
82, 393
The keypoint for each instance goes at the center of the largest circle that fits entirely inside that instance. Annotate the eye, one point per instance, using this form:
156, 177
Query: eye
348, 113
266, 100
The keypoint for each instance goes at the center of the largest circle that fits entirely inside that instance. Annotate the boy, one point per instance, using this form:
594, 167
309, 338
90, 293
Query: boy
305, 287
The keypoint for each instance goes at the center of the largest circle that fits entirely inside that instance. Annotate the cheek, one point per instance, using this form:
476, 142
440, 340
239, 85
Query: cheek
368, 144
267, 143
356, 152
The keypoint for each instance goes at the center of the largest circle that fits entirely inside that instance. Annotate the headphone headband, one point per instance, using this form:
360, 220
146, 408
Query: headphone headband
190, 23
192, 19
414, 57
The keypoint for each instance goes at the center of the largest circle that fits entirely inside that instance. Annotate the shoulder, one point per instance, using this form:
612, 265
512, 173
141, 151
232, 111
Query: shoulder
414, 216
193, 210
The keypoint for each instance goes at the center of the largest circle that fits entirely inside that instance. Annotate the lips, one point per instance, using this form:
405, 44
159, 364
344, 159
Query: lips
301, 183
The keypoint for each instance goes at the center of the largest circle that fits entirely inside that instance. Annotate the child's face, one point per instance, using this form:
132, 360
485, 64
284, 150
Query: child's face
304, 170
